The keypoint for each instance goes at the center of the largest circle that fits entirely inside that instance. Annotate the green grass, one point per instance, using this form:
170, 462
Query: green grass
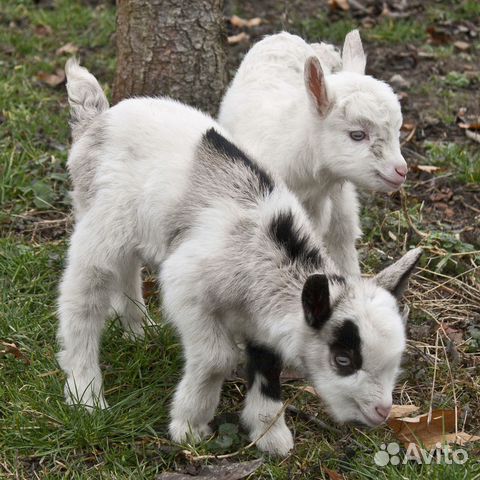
321, 28
397, 31
34, 136
454, 10
41, 437
463, 162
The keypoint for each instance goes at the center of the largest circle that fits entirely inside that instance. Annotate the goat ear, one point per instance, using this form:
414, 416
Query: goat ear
395, 277
316, 87
316, 300
353, 56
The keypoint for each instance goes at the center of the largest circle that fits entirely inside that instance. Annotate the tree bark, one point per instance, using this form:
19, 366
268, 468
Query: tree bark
173, 48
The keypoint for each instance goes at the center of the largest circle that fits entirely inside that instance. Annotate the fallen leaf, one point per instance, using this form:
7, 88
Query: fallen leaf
408, 126
223, 471
472, 135
52, 79
332, 474
428, 430
449, 212
438, 36
68, 48
310, 390
443, 196
242, 37
43, 30
339, 4
11, 348
469, 126
398, 411
455, 335
462, 46
427, 168
239, 22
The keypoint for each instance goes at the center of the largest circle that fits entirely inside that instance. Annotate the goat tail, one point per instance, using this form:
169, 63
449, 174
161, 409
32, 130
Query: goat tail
85, 96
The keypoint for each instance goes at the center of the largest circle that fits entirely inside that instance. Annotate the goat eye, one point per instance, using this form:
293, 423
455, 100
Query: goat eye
358, 135
342, 361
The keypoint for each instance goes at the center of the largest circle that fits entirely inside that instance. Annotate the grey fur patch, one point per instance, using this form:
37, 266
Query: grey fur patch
83, 164
377, 149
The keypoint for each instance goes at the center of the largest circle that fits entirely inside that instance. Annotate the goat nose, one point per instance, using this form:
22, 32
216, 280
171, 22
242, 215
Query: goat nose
383, 410
402, 171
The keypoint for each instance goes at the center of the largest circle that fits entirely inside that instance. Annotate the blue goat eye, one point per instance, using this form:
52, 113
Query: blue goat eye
357, 135
342, 361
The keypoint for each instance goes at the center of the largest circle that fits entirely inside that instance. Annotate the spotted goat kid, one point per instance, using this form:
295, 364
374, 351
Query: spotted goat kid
159, 182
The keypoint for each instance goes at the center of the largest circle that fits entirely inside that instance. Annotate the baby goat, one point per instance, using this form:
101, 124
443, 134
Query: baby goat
322, 133
159, 182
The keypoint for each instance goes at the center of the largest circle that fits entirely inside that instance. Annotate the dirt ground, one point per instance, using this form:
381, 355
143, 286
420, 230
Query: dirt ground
445, 199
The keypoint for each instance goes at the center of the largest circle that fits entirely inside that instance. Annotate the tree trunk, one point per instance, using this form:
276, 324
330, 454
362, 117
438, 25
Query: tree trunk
173, 48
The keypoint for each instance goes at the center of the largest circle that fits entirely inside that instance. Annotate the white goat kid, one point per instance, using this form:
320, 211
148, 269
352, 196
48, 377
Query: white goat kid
157, 181
322, 133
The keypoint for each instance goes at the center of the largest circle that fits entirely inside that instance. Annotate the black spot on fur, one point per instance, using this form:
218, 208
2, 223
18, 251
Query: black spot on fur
316, 301
296, 245
263, 361
347, 343
229, 150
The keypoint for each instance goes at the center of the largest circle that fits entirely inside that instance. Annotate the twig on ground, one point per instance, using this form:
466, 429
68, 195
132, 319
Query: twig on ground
407, 215
310, 418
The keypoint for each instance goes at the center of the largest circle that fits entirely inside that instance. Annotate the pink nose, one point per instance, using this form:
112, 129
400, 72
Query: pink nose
383, 410
402, 171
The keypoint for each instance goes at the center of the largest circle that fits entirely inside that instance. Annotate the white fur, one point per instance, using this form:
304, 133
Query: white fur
268, 109
147, 188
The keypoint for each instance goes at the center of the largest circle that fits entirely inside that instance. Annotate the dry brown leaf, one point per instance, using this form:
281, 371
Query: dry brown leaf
427, 168
428, 430
462, 46
455, 335
472, 135
449, 212
254, 22
309, 390
332, 474
43, 30
469, 126
399, 411
242, 37
239, 22
462, 438
68, 48
223, 471
11, 348
444, 195
52, 79
339, 4
438, 36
